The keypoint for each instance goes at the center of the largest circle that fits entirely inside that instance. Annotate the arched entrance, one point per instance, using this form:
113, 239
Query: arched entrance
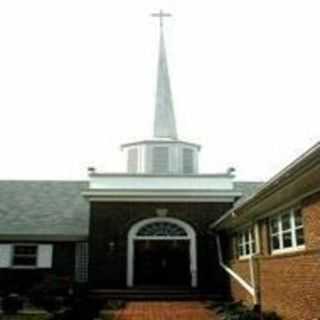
161, 251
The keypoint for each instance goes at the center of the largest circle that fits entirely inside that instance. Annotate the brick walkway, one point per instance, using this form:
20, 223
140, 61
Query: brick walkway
166, 311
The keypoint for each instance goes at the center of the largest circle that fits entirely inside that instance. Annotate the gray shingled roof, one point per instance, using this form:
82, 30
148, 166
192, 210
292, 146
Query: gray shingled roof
48, 208
247, 188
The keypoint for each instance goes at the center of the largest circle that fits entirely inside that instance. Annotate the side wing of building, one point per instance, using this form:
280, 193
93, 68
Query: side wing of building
43, 232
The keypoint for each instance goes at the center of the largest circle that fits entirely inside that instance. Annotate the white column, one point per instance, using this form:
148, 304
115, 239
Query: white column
130, 262
193, 263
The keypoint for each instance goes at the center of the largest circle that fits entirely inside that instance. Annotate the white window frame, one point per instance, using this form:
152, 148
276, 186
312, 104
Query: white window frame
280, 232
21, 266
44, 256
190, 236
252, 241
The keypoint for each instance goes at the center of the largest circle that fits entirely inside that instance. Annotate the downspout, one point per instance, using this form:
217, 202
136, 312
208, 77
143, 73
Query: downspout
250, 288
253, 282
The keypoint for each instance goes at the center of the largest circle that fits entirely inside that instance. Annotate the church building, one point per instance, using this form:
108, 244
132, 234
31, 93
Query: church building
162, 226
151, 223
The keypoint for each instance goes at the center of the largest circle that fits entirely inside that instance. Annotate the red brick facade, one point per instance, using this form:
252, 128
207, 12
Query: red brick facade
288, 283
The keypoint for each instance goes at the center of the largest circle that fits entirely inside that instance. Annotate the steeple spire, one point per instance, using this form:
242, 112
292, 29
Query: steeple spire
164, 120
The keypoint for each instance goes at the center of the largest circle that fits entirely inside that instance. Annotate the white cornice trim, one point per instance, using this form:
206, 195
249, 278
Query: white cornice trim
169, 192
91, 197
159, 141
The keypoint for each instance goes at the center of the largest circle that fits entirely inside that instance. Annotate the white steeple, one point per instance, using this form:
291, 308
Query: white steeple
164, 154
164, 120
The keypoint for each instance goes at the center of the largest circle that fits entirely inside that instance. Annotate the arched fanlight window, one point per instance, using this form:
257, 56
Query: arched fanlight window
161, 229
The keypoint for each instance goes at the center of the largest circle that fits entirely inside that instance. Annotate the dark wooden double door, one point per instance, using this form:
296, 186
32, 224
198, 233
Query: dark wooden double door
162, 263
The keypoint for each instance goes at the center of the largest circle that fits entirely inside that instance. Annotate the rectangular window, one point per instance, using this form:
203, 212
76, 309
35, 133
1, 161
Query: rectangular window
247, 245
25, 255
286, 231
160, 160
188, 165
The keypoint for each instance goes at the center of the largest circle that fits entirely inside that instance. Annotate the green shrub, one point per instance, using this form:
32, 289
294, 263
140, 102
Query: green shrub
12, 303
114, 304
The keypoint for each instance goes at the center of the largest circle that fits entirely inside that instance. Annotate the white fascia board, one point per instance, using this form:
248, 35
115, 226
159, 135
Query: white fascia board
144, 182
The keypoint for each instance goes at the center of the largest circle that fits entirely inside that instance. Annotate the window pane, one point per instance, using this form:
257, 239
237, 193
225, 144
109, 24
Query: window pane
274, 226
246, 236
24, 261
287, 240
298, 218
164, 229
25, 250
241, 253
275, 243
247, 249
299, 237
286, 224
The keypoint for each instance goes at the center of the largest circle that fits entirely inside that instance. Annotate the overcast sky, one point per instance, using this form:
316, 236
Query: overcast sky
77, 79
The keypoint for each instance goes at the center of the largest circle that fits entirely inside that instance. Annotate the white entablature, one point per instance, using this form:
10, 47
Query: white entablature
142, 187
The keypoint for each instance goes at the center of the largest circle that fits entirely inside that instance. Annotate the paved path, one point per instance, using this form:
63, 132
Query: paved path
166, 311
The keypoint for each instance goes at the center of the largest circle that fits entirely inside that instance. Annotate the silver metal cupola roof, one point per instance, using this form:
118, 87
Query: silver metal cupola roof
164, 119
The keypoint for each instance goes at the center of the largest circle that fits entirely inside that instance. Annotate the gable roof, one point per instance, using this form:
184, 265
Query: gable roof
44, 209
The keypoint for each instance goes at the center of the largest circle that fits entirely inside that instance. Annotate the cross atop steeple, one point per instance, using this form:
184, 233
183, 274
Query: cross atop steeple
161, 15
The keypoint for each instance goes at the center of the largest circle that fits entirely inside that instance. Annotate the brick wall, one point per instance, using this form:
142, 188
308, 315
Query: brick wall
237, 291
289, 283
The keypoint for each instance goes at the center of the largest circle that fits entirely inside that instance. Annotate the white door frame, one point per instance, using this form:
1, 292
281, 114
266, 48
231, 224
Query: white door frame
191, 236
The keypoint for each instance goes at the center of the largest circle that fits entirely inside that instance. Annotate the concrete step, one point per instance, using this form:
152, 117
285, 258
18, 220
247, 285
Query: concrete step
154, 294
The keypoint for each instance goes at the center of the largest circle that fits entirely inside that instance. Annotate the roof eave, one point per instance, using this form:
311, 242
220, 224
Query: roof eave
296, 168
